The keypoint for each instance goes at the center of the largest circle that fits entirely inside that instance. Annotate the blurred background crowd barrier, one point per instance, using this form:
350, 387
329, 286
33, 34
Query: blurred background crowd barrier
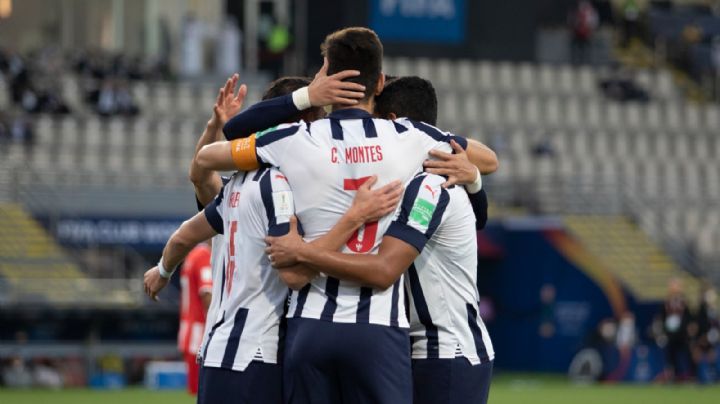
603, 247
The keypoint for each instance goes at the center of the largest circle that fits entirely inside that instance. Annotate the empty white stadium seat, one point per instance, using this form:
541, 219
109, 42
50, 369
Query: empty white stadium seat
486, 76
446, 75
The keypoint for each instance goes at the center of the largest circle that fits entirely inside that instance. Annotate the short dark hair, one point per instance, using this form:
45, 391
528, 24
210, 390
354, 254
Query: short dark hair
284, 86
355, 48
409, 97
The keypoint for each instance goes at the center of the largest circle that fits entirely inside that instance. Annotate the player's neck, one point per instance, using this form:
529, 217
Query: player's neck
368, 106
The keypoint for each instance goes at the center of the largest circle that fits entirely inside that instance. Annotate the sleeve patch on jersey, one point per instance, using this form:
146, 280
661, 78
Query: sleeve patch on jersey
283, 203
422, 212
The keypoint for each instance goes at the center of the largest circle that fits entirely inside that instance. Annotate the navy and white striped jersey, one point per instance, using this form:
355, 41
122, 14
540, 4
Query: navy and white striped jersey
442, 282
251, 299
217, 264
325, 162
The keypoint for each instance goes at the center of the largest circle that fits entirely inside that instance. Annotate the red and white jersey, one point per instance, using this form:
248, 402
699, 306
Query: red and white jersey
325, 162
195, 279
252, 298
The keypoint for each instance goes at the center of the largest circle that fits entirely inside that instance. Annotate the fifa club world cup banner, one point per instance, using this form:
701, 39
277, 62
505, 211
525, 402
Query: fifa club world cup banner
436, 21
143, 233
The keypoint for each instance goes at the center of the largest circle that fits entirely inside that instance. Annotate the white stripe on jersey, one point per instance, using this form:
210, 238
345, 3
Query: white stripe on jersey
252, 296
442, 282
324, 163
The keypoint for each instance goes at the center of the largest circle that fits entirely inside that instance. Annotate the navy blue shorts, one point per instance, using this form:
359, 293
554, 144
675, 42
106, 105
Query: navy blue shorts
333, 363
259, 383
454, 381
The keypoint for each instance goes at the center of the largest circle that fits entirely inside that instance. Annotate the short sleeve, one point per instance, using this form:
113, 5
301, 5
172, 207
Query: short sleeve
421, 212
278, 202
214, 212
272, 145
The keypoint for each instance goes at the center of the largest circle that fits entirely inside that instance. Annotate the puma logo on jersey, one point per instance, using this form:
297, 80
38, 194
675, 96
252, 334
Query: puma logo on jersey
432, 191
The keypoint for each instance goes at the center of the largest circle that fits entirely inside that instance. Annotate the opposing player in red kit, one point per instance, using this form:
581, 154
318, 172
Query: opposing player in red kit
196, 289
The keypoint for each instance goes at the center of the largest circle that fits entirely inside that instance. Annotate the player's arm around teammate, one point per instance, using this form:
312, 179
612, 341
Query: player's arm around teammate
399, 247
385, 200
368, 205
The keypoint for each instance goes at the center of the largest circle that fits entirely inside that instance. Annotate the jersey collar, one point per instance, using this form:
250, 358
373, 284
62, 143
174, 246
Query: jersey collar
349, 113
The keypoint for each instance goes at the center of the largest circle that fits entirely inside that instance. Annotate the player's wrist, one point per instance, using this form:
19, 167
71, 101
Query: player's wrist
476, 185
301, 254
164, 273
355, 218
301, 98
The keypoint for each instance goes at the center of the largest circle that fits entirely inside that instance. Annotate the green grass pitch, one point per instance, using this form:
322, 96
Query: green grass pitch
506, 389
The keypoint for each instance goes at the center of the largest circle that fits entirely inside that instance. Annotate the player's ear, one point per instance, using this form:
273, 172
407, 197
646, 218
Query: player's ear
380, 84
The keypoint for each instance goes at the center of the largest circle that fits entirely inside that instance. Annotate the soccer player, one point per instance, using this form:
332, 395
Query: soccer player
414, 98
207, 183
225, 349
451, 350
346, 342
195, 288
240, 362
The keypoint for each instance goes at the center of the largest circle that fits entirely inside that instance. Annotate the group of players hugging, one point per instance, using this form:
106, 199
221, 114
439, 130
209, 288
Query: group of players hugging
344, 244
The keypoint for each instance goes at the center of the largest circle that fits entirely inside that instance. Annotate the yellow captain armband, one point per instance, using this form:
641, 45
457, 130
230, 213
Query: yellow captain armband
244, 154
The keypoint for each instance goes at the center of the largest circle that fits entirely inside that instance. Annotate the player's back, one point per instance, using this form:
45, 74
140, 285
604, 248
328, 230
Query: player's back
324, 163
251, 297
442, 282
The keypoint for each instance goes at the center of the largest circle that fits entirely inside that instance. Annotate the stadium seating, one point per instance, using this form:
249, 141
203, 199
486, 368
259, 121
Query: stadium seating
628, 253
35, 269
661, 157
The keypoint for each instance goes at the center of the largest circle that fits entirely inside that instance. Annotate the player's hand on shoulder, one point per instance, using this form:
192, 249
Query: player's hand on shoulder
327, 90
370, 204
283, 251
228, 104
154, 283
455, 166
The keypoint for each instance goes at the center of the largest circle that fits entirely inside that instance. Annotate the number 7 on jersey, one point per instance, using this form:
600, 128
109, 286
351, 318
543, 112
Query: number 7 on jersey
361, 242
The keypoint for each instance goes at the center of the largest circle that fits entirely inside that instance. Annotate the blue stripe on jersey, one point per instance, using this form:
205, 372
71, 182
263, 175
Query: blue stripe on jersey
222, 284
410, 235
436, 134
211, 212
369, 128
336, 129
477, 333
409, 197
363, 312
331, 292
399, 128
233, 342
394, 321
276, 135
421, 307
349, 113
210, 335
431, 131
259, 173
213, 217
274, 229
301, 298
282, 329
438, 214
